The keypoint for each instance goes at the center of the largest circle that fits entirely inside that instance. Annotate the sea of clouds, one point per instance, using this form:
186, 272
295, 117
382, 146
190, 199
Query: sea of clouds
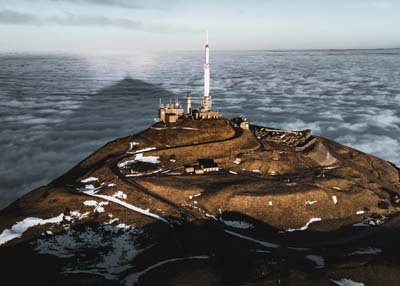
57, 109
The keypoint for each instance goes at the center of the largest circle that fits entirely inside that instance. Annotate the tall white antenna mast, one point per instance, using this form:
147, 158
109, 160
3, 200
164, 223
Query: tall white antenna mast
206, 102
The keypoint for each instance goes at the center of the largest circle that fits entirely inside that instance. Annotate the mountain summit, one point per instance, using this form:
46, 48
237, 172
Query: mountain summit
210, 202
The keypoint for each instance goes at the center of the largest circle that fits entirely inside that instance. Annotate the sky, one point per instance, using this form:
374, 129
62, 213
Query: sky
119, 26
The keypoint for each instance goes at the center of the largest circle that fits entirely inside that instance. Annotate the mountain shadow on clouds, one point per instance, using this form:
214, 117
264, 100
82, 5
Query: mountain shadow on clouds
117, 110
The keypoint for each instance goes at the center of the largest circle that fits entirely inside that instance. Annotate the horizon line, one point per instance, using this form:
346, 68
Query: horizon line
197, 50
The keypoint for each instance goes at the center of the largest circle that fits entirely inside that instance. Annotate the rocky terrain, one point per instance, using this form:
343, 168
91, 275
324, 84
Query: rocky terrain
284, 208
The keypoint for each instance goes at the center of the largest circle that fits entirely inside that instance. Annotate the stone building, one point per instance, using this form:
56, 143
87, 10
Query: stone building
170, 113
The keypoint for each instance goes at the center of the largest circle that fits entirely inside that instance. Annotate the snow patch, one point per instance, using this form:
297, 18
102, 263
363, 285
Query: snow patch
90, 203
90, 180
334, 199
126, 205
98, 209
193, 196
360, 212
113, 254
120, 195
90, 187
145, 149
147, 159
309, 203
347, 282
126, 163
78, 215
238, 224
20, 227
314, 219
123, 226
98, 206
139, 157
233, 172
331, 167
112, 220
131, 144
318, 260
190, 128
366, 251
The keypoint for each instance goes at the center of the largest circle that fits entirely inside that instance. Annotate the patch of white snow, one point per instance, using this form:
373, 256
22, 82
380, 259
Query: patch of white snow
238, 224
90, 203
314, 219
90, 187
20, 227
120, 195
98, 206
366, 251
131, 144
190, 128
126, 163
90, 180
347, 282
147, 159
309, 203
193, 196
126, 205
331, 167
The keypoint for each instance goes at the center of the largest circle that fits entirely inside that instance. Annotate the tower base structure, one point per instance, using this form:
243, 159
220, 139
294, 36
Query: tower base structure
206, 104
206, 111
